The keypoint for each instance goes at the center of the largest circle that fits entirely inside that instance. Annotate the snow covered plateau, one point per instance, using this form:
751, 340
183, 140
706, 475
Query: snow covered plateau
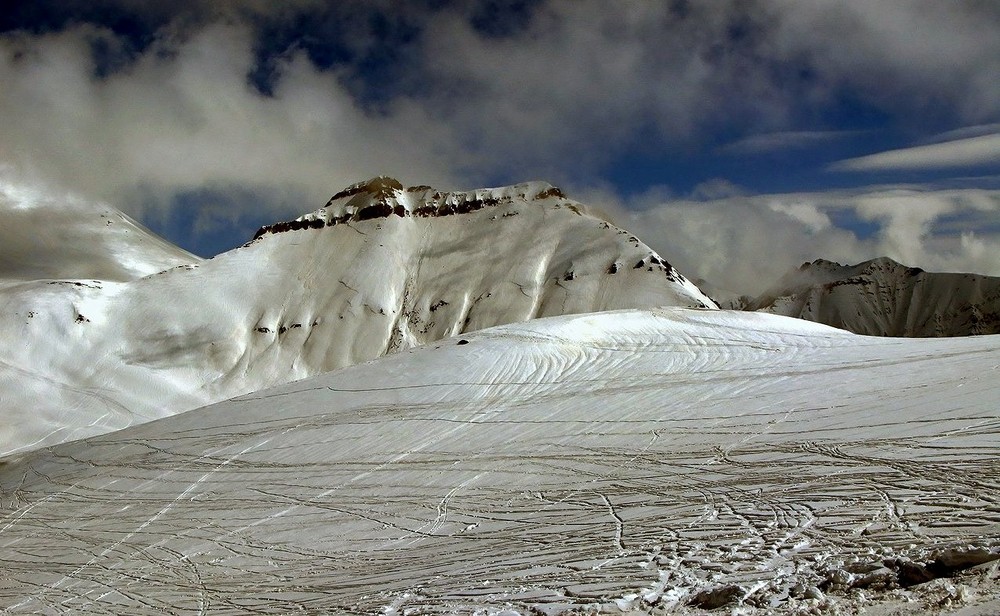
645, 461
488, 402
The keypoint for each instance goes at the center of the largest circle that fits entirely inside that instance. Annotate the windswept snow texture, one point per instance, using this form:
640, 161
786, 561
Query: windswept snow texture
379, 269
635, 461
883, 298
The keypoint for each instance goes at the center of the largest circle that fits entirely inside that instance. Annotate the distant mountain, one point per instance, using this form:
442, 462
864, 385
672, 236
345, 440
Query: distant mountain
379, 269
884, 298
46, 238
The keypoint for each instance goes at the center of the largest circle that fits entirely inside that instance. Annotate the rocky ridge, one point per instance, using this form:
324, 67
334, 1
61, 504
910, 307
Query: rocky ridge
881, 297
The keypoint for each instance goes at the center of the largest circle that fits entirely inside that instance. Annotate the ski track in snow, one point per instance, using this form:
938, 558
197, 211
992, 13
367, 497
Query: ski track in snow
614, 462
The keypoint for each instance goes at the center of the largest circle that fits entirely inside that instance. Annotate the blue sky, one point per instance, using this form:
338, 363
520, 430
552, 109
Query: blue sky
739, 138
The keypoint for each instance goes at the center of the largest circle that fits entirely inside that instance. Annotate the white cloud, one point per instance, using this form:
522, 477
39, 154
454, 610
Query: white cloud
783, 140
965, 132
183, 116
583, 81
905, 217
716, 188
972, 151
927, 58
743, 244
814, 219
581, 85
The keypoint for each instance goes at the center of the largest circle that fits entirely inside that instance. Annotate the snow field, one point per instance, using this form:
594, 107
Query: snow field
649, 461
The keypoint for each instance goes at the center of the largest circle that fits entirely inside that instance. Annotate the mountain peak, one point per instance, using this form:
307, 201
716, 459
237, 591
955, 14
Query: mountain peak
376, 271
381, 188
383, 196
834, 270
886, 298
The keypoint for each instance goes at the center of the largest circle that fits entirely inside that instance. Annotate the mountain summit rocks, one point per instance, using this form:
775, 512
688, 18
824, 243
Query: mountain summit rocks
383, 196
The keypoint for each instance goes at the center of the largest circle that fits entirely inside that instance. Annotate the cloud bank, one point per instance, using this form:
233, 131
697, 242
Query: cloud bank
183, 115
742, 244
973, 151
211, 113
569, 84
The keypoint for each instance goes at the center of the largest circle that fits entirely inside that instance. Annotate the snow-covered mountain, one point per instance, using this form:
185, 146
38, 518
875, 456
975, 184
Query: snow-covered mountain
883, 298
67, 239
379, 269
660, 461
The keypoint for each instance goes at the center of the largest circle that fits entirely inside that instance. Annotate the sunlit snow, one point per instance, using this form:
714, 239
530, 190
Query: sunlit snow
379, 269
630, 461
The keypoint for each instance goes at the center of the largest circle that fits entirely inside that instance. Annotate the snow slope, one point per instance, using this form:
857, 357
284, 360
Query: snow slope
883, 298
45, 238
379, 269
633, 461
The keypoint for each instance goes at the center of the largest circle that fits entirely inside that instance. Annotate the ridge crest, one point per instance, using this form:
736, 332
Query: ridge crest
384, 196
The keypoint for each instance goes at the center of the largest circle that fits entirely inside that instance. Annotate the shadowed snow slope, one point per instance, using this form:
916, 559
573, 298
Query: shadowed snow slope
657, 460
883, 298
44, 238
377, 270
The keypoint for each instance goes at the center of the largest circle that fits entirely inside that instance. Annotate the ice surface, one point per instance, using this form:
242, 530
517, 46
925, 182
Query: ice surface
647, 461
